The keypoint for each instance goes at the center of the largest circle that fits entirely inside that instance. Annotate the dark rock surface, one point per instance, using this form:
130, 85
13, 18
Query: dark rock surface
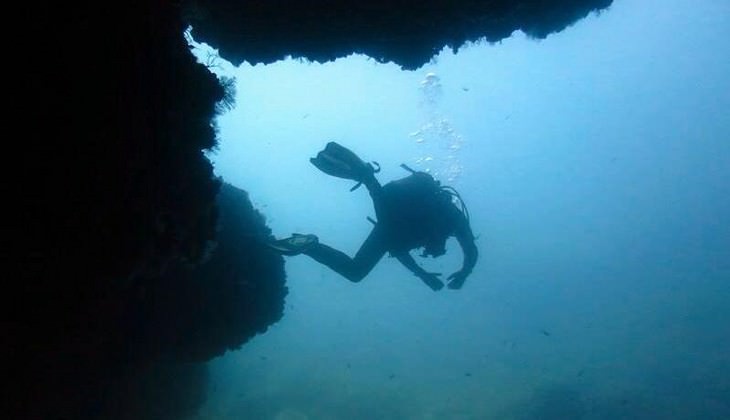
112, 203
405, 32
91, 353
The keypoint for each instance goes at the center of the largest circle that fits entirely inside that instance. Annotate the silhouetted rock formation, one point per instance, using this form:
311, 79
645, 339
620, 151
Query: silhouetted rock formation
405, 32
112, 197
219, 304
80, 349
111, 202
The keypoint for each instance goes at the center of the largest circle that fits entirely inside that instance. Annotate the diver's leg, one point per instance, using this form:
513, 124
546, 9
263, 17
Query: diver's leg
353, 269
373, 186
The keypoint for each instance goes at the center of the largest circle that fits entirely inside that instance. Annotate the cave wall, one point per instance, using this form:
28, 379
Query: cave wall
114, 210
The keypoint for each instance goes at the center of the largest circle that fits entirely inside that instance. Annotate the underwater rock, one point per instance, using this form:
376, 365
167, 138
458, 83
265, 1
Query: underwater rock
220, 304
73, 357
406, 33
109, 185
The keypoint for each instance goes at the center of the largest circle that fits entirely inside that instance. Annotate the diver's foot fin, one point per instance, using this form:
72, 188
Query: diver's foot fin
339, 161
293, 245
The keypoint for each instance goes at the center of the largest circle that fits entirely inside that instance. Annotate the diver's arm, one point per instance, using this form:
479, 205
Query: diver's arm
431, 279
465, 237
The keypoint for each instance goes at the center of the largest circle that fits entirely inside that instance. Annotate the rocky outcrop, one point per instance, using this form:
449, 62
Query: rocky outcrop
404, 32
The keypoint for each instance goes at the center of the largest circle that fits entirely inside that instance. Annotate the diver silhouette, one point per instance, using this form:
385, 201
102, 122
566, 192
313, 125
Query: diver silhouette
412, 212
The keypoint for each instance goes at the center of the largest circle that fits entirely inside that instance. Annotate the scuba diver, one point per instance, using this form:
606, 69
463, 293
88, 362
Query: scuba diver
413, 212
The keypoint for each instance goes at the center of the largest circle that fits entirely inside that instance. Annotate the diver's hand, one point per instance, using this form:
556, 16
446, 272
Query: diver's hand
432, 281
456, 280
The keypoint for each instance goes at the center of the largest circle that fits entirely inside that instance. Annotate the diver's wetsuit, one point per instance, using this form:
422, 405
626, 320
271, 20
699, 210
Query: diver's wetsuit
403, 224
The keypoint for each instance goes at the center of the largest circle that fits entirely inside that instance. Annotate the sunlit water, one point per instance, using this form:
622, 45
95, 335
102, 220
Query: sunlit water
595, 164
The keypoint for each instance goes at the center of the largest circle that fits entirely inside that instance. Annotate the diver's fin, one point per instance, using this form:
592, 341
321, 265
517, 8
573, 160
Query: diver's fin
341, 162
332, 166
293, 245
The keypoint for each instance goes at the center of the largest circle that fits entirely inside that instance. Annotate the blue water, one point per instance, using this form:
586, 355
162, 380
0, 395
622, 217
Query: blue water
596, 167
